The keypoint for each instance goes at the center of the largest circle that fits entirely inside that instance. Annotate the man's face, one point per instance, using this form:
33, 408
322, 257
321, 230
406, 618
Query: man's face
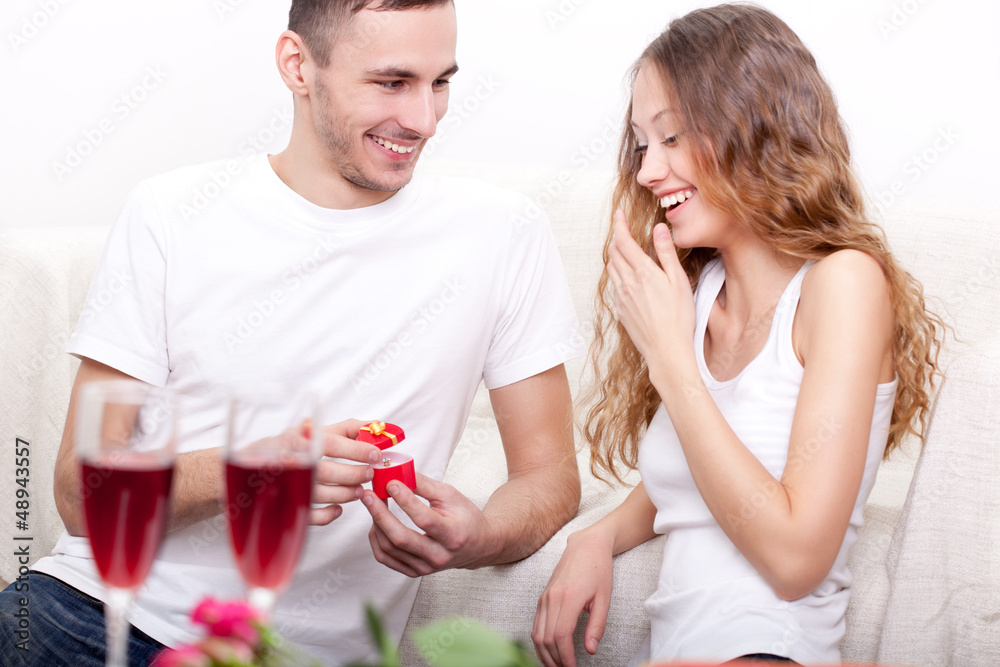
384, 92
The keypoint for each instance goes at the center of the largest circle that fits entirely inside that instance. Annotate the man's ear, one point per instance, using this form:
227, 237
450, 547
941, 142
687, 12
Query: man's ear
293, 62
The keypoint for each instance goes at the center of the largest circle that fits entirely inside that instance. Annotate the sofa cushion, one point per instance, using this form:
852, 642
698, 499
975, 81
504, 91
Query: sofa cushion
505, 597
943, 564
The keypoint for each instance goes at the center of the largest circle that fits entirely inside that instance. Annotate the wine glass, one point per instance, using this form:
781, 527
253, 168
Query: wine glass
125, 439
271, 450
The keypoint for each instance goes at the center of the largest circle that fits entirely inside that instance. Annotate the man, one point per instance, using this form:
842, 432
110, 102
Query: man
320, 266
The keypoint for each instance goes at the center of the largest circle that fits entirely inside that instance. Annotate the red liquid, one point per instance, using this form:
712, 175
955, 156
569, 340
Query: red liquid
126, 510
269, 511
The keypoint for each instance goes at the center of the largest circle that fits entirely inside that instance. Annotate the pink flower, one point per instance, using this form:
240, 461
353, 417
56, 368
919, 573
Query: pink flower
185, 656
229, 619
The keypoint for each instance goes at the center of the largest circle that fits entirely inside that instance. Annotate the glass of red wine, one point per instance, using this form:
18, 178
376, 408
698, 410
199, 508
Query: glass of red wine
271, 450
125, 440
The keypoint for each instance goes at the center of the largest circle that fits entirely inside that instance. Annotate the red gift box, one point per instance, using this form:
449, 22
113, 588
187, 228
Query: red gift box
394, 465
381, 434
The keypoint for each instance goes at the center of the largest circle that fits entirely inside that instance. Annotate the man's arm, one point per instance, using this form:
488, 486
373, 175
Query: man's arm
197, 475
198, 487
542, 492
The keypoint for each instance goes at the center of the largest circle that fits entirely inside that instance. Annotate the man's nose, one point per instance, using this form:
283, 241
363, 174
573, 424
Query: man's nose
420, 113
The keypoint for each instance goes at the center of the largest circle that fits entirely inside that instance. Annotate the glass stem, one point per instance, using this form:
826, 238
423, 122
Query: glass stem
262, 599
116, 623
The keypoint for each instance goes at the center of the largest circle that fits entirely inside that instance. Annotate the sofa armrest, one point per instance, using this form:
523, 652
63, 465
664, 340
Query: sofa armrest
44, 277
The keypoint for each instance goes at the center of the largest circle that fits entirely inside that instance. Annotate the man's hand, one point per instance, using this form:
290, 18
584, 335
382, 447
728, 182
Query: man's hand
339, 481
542, 491
456, 533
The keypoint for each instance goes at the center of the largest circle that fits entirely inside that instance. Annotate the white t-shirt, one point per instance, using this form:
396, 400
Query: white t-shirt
395, 312
710, 603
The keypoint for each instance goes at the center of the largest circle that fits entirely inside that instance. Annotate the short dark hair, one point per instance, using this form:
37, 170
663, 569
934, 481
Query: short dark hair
321, 22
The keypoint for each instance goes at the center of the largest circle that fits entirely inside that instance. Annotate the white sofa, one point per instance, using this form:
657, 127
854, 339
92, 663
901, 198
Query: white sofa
927, 564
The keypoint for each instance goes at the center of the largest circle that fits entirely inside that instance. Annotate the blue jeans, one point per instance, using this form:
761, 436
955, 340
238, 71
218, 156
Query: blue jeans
44, 621
762, 657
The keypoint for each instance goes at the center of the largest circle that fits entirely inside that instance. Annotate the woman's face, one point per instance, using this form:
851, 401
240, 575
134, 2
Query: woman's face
668, 165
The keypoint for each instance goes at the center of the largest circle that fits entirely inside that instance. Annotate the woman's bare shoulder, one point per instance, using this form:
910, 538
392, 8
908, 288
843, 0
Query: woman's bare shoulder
845, 295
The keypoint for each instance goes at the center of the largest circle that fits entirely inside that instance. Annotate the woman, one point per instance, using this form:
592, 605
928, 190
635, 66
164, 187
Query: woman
768, 396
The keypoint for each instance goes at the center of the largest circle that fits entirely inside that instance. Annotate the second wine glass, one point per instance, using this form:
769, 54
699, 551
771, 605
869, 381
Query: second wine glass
271, 450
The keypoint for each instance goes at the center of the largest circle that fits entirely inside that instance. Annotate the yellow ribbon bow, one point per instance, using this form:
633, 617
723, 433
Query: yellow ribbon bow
378, 428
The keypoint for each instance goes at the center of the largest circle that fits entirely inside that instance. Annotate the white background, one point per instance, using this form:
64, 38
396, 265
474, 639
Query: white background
541, 82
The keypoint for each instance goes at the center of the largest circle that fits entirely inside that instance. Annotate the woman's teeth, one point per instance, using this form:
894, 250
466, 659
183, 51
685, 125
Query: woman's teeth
393, 147
677, 198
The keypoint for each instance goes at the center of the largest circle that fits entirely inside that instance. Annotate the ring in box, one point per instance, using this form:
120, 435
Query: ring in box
394, 465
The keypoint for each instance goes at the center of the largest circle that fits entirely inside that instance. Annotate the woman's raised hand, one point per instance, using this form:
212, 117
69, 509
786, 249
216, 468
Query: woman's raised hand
653, 302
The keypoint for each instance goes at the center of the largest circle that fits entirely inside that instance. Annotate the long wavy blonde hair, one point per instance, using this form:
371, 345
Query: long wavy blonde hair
769, 148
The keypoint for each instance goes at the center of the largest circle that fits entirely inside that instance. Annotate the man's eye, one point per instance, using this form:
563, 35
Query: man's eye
391, 85
441, 83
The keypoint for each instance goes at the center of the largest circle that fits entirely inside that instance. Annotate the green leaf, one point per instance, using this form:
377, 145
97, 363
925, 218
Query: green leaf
461, 642
389, 653
387, 646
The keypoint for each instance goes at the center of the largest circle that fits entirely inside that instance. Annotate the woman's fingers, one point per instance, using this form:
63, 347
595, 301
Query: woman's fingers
666, 252
597, 621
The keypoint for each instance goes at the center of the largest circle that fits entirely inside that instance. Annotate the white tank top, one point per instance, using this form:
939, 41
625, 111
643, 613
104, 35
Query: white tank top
710, 602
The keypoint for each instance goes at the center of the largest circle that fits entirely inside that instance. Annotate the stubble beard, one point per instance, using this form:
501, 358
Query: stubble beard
336, 138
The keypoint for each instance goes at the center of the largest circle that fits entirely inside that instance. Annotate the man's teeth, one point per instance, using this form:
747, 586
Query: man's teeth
676, 198
393, 147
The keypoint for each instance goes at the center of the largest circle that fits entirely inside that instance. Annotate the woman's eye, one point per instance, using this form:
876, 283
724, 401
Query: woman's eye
639, 150
670, 141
